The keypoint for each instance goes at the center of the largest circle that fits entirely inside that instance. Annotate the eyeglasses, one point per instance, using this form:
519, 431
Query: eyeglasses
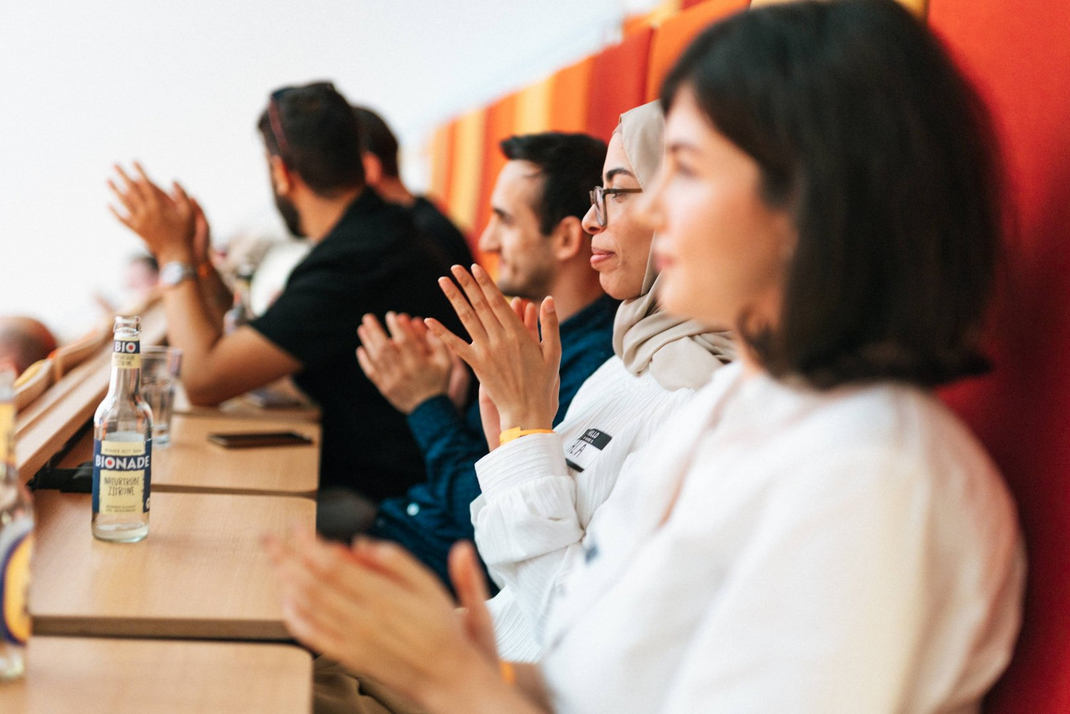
273, 111
598, 200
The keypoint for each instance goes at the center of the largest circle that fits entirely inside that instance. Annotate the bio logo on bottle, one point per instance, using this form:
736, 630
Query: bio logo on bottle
127, 353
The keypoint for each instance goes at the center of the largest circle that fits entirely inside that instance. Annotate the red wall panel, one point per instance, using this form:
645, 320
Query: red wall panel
618, 82
1018, 53
673, 37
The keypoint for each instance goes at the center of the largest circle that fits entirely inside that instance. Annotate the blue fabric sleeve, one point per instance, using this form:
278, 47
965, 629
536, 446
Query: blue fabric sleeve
451, 447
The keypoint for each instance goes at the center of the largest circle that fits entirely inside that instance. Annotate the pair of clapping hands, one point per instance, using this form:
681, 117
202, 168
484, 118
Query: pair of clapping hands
172, 225
373, 607
517, 368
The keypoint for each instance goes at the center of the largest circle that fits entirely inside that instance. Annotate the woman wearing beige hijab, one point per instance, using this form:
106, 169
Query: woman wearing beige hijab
541, 491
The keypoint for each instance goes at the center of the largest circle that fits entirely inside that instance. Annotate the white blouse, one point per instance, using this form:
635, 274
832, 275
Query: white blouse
845, 551
540, 492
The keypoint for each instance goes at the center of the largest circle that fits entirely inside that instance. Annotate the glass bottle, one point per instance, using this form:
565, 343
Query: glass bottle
122, 444
16, 543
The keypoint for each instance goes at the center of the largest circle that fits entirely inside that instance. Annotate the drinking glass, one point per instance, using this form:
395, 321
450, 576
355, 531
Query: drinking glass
160, 368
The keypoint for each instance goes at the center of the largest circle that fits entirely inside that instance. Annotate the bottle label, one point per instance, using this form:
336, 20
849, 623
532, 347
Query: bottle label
121, 476
127, 353
16, 547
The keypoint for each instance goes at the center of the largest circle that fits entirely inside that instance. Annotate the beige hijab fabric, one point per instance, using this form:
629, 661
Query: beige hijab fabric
679, 353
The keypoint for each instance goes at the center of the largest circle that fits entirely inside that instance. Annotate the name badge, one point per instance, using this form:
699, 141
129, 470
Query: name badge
582, 452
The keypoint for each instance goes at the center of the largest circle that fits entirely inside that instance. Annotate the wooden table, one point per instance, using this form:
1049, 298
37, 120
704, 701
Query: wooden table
193, 464
242, 408
111, 676
201, 573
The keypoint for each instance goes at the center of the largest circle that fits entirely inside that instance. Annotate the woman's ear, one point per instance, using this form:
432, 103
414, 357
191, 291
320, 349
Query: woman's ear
568, 239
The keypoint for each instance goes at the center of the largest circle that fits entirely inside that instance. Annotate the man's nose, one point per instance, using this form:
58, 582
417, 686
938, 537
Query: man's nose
488, 239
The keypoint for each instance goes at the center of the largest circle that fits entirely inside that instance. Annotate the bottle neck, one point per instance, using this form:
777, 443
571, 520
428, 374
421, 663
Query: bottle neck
124, 381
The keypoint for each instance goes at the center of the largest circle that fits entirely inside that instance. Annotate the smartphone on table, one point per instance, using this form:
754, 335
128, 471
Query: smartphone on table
257, 439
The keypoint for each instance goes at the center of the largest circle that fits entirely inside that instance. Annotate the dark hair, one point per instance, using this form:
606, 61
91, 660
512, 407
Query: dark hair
885, 155
571, 165
321, 137
378, 140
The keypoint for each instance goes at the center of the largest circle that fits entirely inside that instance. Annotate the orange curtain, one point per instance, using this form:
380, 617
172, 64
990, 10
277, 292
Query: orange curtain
618, 82
569, 94
675, 34
441, 152
533, 108
466, 169
500, 124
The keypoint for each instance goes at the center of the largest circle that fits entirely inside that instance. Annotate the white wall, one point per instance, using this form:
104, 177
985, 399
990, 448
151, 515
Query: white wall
179, 85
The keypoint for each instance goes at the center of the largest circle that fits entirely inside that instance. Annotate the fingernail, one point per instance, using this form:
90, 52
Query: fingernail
550, 305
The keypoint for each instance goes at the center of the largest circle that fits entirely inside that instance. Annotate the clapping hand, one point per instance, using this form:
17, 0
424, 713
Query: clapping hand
408, 366
375, 609
517, 369
166, 223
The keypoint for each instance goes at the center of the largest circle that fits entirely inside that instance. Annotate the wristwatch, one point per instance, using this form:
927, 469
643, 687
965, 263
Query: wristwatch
175, 272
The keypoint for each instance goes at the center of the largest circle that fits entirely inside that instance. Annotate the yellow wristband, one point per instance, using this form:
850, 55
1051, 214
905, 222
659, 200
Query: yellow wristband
516, 432
508, 673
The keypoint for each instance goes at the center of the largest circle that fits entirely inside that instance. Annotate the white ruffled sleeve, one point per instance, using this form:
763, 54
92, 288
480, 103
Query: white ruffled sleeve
526, 525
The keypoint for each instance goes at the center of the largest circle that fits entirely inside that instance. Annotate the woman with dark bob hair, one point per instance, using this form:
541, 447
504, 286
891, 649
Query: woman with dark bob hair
815, 532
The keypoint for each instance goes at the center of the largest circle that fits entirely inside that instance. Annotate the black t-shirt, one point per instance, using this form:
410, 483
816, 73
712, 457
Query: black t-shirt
441, 231
372, 261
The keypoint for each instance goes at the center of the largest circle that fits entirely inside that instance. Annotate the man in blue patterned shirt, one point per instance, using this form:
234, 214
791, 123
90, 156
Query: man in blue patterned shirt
535, 231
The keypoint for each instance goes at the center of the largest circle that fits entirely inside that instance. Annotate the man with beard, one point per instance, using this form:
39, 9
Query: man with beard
366, 258
535, 229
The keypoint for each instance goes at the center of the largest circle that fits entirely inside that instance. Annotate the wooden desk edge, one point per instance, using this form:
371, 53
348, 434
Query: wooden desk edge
171, 488
150, 628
